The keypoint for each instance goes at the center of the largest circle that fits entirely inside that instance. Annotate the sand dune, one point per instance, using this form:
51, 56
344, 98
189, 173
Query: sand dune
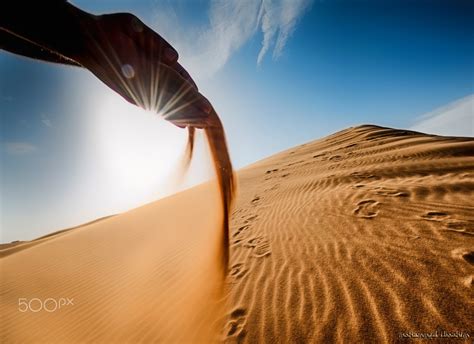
365, 236
151, 274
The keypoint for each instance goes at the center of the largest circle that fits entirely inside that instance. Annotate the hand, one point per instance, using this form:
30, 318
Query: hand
142, 67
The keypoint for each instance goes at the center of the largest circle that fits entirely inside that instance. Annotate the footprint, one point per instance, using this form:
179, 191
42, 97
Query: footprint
271, 171
235, 325
318, 155
240, 230
285, 175
336, 158
464, 254
238, 271
255, 200
367, 209
461, 227
363, 175
251, 219
435, 216
469, 257
260, 246
268, 173
236, 242
382, 191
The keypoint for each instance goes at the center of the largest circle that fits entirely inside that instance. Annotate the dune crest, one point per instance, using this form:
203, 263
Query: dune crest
366, 235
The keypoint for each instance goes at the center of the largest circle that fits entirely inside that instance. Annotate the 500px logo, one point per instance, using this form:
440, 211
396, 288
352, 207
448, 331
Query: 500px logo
48, 305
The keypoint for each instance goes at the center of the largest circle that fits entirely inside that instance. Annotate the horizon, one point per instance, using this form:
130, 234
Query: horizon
69, 144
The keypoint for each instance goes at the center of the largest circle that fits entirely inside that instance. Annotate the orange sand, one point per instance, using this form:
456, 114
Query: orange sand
363, 236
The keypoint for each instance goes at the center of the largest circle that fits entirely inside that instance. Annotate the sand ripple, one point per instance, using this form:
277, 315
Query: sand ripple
369, 237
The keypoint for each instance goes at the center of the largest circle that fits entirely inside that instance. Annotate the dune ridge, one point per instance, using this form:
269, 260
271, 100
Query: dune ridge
364, 236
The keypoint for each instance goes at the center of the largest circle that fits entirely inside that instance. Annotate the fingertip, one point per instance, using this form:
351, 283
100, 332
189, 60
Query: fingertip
184, 73
203, 104
137, 25
151, 41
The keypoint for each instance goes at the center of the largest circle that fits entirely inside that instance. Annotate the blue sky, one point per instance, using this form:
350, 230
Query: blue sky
280, 73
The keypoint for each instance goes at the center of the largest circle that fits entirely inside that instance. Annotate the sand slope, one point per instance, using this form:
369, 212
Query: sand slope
148, 275
357, 237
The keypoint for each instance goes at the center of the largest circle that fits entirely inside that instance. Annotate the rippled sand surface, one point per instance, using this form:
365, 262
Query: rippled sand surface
365, 236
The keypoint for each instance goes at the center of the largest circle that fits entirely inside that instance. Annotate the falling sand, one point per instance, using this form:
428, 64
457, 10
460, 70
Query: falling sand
225, 176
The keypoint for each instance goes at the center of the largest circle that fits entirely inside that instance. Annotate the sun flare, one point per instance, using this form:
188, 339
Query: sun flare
139, 149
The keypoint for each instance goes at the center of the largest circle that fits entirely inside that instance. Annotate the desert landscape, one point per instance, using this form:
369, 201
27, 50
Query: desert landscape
364, 236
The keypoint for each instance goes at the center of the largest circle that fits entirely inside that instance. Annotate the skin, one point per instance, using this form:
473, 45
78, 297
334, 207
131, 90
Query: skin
118, 49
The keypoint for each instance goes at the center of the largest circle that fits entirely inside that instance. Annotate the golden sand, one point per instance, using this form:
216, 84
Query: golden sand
365, 236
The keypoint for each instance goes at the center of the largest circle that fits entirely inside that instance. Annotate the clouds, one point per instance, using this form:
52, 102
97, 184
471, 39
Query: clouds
18, 148
454, 119
230, 24
278, 22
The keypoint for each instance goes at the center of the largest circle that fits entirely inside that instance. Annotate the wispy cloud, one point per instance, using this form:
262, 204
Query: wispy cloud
230, 24
279, 19
18, 148
454, 119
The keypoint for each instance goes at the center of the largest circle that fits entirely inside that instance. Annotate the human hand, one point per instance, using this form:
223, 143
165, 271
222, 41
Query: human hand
142, 67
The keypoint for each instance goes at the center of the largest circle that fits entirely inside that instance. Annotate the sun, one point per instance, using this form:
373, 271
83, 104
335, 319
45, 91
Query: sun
138, 150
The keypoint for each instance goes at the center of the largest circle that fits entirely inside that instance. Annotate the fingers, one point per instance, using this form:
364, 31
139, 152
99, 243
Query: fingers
157, 47
182, 93
190, 118
184, 74
182, 108
151, 42
154, 79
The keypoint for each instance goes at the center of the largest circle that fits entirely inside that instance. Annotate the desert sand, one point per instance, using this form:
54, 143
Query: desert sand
365, 236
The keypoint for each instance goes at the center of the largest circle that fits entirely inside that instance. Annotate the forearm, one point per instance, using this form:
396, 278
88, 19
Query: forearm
19, 46
56, 27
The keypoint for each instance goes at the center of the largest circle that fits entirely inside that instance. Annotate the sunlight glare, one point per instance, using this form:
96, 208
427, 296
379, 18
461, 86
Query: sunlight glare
138, 149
